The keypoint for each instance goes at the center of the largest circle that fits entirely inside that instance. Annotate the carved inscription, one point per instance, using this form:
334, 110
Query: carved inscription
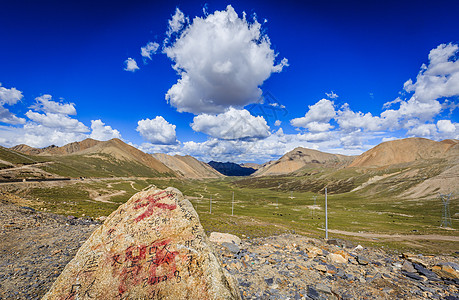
149, 265
151, 202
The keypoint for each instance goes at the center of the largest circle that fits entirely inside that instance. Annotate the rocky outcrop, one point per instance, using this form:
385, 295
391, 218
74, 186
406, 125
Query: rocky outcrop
152, 247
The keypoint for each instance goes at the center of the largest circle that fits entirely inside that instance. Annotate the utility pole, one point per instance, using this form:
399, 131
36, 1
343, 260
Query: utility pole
232, 205
211, 204
446, 217
313, 207
326, 216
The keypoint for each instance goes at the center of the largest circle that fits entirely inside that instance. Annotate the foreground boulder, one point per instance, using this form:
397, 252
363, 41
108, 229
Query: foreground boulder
152, 247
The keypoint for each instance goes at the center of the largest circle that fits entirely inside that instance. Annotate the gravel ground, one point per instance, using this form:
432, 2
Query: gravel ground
34, 249
36, 246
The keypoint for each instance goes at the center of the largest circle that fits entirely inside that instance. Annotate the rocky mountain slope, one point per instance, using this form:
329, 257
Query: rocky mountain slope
188, 166
414, 167
406, 151
301, 157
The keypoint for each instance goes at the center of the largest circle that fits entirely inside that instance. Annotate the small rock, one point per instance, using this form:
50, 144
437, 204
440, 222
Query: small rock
312, 293
427, 273
332, 242
323, 288
220, 238
412, 275
408, 267
357, 248
321, 268
445, 271
231, 247
336, 258
362, 260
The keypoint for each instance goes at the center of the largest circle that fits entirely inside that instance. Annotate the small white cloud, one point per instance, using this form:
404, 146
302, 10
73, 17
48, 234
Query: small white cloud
277, 123
318, 126
9, 96
102, 132
321, 112
424, 130
177, 22
446, 126
9, 118
332, 95
57, 121
157, 131
315, 136
221, 59
45, 104
131, 65
350, 121
231, 125
149, 49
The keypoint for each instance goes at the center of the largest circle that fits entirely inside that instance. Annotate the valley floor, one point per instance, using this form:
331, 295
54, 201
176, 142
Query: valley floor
36, 246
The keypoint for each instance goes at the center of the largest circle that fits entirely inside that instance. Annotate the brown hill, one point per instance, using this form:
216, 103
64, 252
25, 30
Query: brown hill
55, 150
26, 149
188, 166
299, 158
115, 148
405, 151
120, 151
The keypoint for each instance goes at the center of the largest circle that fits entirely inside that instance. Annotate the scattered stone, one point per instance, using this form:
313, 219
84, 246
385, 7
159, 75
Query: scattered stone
231, 247
332, 242
220, 238
336, 258
313, 293
445, 271
357, 248
427, 273
362, 260
408, 267
322, 288
412, 275
151, 246
321, 268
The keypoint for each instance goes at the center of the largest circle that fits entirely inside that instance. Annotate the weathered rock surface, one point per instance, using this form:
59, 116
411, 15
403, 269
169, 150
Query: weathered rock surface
152, 247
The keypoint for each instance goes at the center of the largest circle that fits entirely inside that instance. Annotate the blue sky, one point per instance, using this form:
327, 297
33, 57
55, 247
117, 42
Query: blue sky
328, 75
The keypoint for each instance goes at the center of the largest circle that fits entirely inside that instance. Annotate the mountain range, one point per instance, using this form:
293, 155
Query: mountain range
412, 167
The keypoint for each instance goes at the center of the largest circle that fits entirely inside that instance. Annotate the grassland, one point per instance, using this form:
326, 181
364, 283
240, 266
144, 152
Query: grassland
261, 210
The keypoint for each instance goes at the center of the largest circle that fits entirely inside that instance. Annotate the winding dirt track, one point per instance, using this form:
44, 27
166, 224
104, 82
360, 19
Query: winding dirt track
398, 237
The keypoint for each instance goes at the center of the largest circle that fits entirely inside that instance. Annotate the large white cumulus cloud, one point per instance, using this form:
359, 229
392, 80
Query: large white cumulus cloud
231, 125
157, 131
222, 60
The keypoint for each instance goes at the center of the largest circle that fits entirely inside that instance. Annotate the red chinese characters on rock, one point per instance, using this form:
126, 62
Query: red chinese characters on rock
151, 202
148, 264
